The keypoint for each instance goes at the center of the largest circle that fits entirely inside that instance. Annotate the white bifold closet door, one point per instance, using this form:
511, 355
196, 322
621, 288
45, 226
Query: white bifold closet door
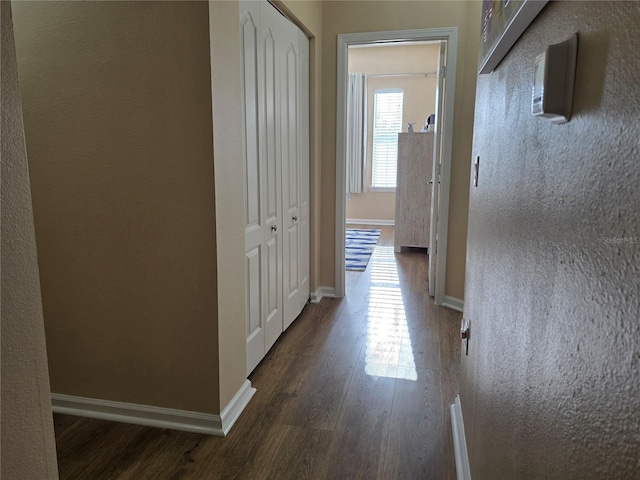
275, 56
303, 145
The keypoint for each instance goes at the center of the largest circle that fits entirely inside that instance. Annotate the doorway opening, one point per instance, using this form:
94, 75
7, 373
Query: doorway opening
374, 178
392, 90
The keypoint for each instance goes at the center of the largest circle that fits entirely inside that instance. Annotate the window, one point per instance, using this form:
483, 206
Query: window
387, 123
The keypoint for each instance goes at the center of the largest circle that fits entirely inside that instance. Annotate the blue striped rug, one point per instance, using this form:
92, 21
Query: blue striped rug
359, 247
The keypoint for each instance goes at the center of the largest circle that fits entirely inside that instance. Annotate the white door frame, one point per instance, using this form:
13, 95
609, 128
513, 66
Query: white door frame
435, 170
450, 34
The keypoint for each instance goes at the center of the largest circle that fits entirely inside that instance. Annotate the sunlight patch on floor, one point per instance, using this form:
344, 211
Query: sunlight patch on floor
388, 348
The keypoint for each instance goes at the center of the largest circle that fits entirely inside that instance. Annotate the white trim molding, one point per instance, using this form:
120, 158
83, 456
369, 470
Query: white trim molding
236, 406
453, 302
367, 221
150, 416
373, 189
448, 34
463, 470
322, 292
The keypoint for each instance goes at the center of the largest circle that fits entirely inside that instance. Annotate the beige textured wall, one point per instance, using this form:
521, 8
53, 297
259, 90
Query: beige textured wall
117, 105
28, 446
551, 388
308, 16
364, 16
419, 102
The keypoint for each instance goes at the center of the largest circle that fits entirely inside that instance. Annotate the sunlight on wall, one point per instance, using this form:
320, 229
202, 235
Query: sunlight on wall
388, 349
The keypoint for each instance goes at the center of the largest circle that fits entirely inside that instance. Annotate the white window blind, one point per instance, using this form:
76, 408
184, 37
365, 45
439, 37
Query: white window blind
387, 123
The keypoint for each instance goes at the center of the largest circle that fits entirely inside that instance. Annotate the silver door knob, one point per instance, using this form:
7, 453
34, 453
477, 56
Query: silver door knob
274, 228
295, 219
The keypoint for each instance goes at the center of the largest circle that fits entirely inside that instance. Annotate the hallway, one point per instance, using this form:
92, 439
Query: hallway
356, 388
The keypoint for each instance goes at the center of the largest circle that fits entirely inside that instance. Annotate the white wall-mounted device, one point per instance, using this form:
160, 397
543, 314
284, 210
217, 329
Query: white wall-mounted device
555, 73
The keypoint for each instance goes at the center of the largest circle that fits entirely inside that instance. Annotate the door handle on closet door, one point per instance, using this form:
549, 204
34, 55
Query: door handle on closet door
274, 228
295, 219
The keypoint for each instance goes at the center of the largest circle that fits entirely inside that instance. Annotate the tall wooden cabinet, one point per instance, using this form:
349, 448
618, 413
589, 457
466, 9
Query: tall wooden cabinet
275, 60
413, 191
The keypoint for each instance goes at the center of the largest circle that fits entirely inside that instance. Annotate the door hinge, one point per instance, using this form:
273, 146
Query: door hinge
442, 72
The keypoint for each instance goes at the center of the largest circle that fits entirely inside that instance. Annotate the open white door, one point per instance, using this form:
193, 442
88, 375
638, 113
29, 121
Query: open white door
437, 161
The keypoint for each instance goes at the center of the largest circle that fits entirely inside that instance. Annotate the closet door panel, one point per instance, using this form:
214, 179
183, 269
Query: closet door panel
290, 175
271, 143
275, 59
273, 291
271, 159
293, 270
291, 121
252, 168
255, 332
303, 136
254, 224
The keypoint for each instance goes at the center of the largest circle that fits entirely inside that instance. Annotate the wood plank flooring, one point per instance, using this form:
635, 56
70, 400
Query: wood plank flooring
356, 388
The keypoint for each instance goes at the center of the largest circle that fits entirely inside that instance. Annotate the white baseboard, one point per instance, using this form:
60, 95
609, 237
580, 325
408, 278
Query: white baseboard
463, 471
322, 292
368, 221
453, 302
236, 406
150, 416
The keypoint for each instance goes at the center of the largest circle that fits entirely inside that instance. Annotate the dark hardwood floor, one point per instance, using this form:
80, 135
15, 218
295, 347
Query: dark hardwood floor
356, 388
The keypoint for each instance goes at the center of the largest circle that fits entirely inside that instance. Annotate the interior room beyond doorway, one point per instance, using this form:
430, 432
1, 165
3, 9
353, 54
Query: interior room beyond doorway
411, 70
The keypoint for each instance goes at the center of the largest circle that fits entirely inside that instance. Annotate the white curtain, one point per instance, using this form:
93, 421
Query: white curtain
356, 132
